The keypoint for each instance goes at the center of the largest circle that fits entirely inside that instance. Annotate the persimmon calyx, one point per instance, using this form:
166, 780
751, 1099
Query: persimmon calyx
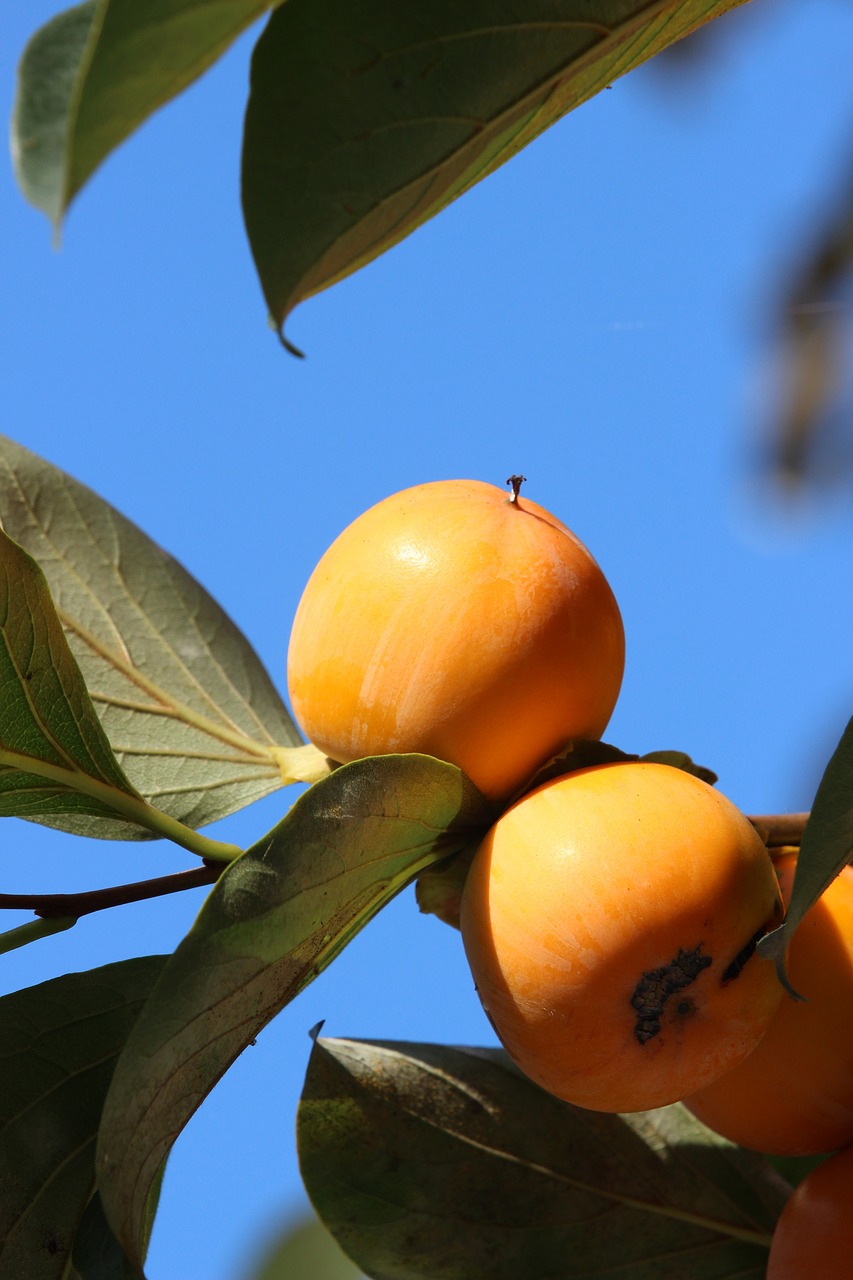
302, 764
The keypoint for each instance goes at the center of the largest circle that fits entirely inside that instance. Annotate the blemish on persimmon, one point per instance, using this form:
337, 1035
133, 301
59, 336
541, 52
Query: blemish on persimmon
657, 986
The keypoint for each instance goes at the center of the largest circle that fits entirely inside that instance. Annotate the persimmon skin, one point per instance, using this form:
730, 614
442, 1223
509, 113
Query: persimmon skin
610, 918
814, 1234
794, 1094
451, 621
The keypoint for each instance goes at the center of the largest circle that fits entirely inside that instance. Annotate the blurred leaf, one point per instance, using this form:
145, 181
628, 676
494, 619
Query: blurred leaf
91, 75
681, 760
191, 712
826, 847
58, 1045
430, 1163
307, 1251
274, 920
54, 755
365, 119
813, 347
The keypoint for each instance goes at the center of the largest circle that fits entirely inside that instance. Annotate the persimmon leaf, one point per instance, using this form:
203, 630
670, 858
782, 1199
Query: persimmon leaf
306, 1250
186, 703
58, 1046
681, 760
826, 847
365, 119
275, 918
92, 74
54, 754
427, 1162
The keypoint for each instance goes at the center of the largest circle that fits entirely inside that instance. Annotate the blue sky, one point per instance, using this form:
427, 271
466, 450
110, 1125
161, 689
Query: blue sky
598, 315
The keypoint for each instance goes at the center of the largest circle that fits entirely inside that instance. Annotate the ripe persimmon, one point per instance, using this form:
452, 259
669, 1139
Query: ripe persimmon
456, 620
814, 1234
610, 918
793, 1095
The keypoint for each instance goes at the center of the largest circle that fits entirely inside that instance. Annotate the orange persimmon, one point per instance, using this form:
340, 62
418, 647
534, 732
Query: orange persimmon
814, 1234
794, 1094
455, 620
610, 918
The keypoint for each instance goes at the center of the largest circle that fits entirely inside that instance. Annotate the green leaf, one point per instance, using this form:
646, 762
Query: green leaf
306, 1251
46, 78
430, 1163
274, 920
97, 1255
365, 119
91, 76
58, 1046
191, 712
826, 847
681, 760
583, 753
54, 755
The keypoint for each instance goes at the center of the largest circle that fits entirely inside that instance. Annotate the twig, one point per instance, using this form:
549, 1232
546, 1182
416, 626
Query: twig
777, 829
52, 906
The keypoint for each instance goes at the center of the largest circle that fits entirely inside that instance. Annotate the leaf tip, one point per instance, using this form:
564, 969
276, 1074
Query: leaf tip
314, 1033
277, 327
773, 946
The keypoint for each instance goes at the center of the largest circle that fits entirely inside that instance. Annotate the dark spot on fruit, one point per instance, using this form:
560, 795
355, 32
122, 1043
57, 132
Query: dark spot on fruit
657, 986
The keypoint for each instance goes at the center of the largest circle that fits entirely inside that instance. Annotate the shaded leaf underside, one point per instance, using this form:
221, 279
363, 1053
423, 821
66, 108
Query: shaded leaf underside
58, 1045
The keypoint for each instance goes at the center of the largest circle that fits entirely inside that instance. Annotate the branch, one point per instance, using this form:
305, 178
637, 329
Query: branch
778, 829
54, 906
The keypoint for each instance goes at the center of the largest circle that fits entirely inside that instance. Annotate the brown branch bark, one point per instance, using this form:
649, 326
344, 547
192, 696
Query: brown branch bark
778, 829
51, 906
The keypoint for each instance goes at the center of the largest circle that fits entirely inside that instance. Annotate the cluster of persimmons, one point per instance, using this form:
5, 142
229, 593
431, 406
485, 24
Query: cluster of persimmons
611, 915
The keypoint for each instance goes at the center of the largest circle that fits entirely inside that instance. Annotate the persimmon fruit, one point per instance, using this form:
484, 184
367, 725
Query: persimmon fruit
793, 1095
459, 621
610, 919
814, 1234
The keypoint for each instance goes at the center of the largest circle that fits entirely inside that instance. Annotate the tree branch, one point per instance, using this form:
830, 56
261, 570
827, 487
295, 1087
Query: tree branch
52, 906
777, 829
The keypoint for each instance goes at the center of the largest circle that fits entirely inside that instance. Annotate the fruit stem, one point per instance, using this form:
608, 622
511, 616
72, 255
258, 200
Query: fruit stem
516, 482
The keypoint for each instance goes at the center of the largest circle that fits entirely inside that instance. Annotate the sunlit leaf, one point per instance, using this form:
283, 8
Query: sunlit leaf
365, 119
274, 920
54, 755
188, 707
826, 847
430, 1163
91, 75
58, 1046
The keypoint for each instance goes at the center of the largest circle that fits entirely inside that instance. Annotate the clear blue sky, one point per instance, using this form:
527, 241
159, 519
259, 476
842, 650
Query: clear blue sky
597, 315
